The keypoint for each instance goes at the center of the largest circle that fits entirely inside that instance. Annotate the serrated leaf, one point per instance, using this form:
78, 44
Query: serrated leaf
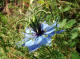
62, 24
70, 23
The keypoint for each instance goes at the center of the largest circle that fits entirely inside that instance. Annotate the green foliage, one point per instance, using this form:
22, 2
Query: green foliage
66, 9
3, 19
63, 23
63, 45
70, 23
75, 55
74, 33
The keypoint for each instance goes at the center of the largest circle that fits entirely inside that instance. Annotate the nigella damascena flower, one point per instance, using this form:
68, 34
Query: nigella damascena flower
34, 39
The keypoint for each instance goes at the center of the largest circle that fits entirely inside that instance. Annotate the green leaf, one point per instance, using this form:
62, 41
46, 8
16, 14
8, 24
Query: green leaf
74, 33
3, 19
4, 57
41, 1
70, 23
1, 52
75, 55
72, 44
62, 24
66, 9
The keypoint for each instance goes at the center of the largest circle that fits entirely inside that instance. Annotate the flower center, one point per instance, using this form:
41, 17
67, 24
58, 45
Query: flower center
39, 33
37, 28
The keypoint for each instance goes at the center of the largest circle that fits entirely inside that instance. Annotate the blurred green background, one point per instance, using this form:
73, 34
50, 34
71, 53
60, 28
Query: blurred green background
16, 15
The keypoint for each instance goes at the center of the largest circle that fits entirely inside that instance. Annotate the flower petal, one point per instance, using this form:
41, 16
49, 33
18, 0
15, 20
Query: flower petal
47, 27
48, 32
31, 45
58, 32
29, 30
51, 34
44, 26
35, 44
51, 30
54, 32
52, 26
27, 37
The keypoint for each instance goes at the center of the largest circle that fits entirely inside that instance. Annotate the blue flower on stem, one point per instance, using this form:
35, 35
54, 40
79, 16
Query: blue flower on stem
41, 37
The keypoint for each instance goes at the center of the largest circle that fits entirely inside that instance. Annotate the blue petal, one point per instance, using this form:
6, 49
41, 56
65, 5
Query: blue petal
44, 26
52, 26
29, 30
27, 37
48, 32
58, 32
47, 28
30, 34
42, 40
52, 32
34, 45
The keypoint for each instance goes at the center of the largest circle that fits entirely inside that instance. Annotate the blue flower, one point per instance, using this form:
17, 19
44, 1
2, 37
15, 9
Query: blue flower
34, 40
